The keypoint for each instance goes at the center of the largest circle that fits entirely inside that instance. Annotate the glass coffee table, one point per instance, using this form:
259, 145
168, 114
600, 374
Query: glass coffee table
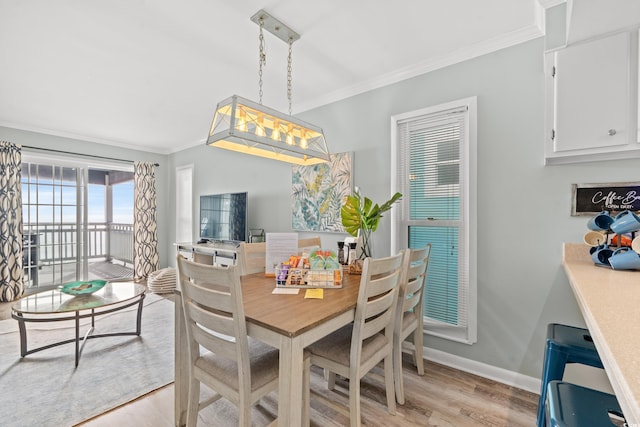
57, 306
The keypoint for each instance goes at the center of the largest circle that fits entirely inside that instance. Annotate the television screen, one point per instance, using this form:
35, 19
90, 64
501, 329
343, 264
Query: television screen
224, 217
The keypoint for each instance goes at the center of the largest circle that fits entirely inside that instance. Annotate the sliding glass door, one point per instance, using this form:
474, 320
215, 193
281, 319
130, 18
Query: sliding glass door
74, 227
52, 214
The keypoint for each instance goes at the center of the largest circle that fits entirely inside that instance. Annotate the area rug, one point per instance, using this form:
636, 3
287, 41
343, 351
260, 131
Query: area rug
45, 389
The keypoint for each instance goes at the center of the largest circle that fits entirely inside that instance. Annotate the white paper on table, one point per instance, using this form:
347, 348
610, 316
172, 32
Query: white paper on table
286, 291
279, 247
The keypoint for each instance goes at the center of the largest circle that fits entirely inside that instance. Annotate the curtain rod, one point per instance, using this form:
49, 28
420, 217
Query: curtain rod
79, 154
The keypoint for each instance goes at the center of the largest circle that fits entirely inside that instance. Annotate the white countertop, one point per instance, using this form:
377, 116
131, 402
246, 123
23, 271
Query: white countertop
610, 304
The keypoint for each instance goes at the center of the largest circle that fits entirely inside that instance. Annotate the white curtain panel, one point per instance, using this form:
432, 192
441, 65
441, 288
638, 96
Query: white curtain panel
145, 226
11, 272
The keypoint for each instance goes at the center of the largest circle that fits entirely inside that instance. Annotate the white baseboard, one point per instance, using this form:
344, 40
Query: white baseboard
504, 376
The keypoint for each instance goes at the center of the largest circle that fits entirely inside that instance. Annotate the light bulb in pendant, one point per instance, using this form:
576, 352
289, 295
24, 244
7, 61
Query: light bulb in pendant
260, 127
290, 140
242, 121
275, 135
303, 139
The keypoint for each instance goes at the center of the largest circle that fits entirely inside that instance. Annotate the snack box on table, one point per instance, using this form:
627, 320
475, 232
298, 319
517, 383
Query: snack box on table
319, 269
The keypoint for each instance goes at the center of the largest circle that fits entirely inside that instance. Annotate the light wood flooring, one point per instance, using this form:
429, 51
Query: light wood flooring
443, 397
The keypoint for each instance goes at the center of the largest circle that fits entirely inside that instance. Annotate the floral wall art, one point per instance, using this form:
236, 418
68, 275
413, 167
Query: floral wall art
318, 193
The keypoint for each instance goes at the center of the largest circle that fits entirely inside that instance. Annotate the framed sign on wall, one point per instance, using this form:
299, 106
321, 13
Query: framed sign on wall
589, 199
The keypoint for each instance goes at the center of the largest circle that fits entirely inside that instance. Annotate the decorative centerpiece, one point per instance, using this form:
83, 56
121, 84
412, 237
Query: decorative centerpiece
360, 218
83, 287
318, 269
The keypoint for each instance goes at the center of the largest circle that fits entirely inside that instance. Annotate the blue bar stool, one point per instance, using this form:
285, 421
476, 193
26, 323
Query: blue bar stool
565, 344
570, 405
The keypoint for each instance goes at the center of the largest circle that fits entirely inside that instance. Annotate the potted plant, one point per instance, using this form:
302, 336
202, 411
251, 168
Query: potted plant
360, 217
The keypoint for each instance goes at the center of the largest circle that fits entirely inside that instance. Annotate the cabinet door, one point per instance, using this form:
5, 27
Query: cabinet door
591, 97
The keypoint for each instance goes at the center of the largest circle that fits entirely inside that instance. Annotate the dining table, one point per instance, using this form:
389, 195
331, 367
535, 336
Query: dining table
289, 322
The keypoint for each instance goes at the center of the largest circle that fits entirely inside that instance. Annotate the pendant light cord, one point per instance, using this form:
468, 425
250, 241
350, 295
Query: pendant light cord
262, 60
289, 70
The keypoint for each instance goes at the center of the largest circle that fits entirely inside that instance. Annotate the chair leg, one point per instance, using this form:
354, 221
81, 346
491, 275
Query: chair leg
331, 379
354, 402
306, 392
194, 402
388, 380
244, 415
418, 351
397, 371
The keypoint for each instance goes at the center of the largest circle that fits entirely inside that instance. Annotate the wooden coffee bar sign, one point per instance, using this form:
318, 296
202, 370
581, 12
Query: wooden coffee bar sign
589, 199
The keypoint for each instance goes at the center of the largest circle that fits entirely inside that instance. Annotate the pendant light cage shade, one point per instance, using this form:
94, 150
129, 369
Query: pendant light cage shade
248, 127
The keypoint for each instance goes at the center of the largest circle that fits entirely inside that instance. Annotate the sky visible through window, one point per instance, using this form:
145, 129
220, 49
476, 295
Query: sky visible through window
47, 201
122, 203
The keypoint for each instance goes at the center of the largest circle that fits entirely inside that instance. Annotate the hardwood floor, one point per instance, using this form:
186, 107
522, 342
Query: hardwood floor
443, 397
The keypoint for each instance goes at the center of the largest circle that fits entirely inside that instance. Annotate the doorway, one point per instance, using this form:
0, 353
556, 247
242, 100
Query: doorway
77, 222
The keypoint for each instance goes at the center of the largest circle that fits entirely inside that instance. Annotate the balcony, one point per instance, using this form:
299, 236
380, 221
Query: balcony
53, 253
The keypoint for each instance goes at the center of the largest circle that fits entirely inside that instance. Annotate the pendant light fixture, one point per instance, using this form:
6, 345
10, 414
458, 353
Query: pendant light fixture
248, 127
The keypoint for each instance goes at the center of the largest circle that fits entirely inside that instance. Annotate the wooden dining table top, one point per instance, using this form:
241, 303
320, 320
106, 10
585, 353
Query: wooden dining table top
293, 314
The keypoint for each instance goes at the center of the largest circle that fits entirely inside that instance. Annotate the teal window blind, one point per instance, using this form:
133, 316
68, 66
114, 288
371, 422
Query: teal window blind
432, 149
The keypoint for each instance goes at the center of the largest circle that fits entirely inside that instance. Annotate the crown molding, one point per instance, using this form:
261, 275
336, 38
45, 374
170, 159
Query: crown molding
516, 37
78, 137
550, 3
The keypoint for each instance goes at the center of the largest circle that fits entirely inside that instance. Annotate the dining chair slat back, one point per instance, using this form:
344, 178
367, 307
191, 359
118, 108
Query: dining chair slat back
309, 242
252, 257
236, 367
409, 313
356, 349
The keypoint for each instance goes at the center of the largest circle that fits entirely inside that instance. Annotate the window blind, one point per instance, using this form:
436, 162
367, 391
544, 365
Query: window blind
433, 176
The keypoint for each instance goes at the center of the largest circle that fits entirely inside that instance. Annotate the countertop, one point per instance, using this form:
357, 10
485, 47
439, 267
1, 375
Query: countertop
610, 304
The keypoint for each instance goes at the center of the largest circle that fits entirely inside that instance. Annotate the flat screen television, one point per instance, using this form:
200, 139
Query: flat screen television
223, 217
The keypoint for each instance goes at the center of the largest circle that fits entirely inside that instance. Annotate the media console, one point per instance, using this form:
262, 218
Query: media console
214, 253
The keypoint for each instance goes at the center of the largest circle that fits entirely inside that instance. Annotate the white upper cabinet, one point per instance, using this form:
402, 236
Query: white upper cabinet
587, 19
591, 100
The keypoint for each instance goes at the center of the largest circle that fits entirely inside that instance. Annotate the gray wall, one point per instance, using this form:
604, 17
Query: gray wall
523, 206
40, 140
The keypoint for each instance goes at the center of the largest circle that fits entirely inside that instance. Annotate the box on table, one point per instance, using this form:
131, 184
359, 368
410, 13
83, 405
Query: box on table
306, 278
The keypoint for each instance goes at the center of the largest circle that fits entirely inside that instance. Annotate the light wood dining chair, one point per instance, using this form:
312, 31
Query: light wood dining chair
252, 257
221, 356
355, 349
309, 242
409, 314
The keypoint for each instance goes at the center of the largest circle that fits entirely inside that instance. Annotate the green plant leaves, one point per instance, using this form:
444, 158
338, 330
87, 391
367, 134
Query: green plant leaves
361, 213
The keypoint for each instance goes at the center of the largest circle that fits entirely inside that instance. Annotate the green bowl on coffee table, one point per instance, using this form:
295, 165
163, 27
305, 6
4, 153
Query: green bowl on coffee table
83, 287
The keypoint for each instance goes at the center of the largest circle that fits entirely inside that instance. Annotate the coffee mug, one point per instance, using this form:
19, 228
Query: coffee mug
624, 259
600, 222
593, 249
601, 255
594, 238
625, 222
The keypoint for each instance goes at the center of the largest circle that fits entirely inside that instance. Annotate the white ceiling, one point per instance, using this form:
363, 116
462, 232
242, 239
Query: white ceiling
147, 74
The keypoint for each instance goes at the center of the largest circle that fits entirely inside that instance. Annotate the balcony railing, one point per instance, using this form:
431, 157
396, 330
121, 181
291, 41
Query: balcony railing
56, 243
53, 253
